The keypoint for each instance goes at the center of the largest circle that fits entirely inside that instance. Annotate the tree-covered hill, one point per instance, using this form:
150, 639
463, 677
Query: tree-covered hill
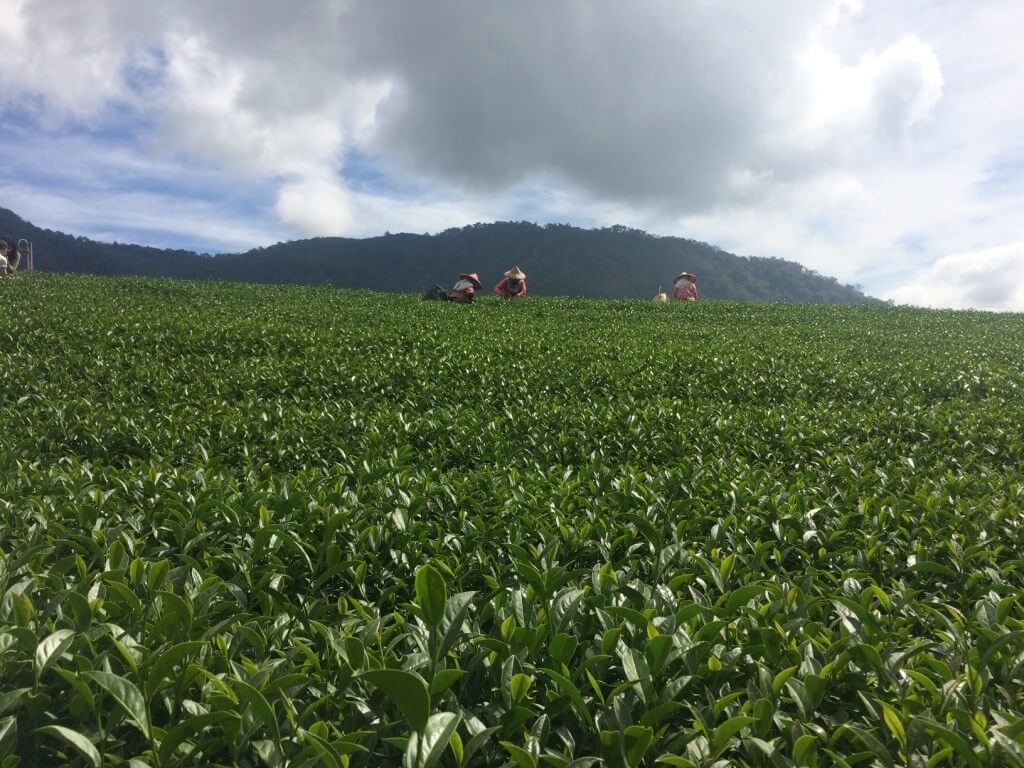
558, 259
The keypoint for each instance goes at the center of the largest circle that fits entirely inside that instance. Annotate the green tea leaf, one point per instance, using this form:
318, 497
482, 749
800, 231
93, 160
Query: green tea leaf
165, 661
12, 698
263, 709
779, 681
562, 647
431, 595
426, 749
952, 739
676, 761
520, 687
804, 749
728, 729
443, 680
638, 740
520, 756
8, 733
455, 611
75, 739
742, 596
127, 695
187, 728
893, 722
869, 741
406, 690
324, 749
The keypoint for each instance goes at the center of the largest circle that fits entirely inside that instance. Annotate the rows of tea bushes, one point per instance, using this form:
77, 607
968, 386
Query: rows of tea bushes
296, 526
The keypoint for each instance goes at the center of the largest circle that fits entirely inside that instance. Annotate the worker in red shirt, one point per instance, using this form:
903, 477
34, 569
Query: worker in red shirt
512, 285
684, 287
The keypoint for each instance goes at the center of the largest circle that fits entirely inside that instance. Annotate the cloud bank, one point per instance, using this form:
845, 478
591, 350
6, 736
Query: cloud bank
986, 279
865, 140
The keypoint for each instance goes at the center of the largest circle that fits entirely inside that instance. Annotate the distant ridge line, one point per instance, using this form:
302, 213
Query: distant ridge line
559, 259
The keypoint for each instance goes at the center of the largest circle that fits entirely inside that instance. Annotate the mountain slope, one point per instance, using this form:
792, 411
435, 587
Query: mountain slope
558, 260
59, 252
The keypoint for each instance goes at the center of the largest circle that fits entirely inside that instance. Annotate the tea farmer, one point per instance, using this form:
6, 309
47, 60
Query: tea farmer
9, 256
512, 285
684, 287
465, 289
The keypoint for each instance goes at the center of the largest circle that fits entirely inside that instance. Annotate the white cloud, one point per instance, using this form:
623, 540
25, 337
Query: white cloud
213, 107
321, 206
63, 60
985, 279
375, 214
168, 222
316, 207
854, 136
12, 20
854, 106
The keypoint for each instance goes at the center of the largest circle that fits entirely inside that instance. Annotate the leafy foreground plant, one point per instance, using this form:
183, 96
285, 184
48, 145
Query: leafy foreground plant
266, 526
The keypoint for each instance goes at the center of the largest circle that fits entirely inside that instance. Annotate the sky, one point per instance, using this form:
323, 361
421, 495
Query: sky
875, 141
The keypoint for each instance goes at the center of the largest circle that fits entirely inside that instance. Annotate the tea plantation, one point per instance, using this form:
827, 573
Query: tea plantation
297, 526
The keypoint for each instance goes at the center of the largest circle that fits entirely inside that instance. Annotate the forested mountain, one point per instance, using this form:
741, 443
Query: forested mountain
58, 252
558, 260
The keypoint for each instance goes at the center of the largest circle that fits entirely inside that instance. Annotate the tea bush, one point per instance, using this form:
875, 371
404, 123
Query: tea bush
296, 526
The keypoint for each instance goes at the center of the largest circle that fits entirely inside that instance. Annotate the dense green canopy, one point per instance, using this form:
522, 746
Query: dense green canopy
285, 526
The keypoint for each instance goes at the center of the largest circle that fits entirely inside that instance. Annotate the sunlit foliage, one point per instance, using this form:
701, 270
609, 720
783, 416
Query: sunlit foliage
286, 526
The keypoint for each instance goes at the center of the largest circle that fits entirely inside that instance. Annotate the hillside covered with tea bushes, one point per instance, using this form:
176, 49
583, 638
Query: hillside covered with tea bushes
254, 525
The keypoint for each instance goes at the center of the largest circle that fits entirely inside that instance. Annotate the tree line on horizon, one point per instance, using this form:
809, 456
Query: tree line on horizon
559, 259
